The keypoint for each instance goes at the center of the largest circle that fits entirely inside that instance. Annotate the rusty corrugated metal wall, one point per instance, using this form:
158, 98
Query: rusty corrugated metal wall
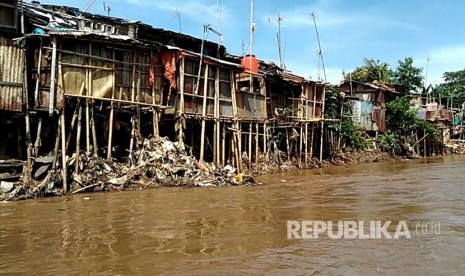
11, 75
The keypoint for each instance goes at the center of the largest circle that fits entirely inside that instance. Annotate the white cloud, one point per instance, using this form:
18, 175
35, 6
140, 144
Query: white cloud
443, 59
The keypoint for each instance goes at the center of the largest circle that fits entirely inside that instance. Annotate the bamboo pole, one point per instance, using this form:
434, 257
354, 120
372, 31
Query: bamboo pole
312, 140
63, 151
73, 120
51, 106
89, 85
322, 123
110, 124
233, 151
38, 141
217, 117
306, 145
287, 145
239, 134
39, 68
156, 132
204, 113
250, 145
300, 147
257, 146
27, 118
133, 127
181, 104
265, 150
133, 85
138, 101
78, 139
57, 146
223, 146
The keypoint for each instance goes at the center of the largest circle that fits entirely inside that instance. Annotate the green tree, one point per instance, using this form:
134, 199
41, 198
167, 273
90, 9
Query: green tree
453, 89
407, 77
372, 71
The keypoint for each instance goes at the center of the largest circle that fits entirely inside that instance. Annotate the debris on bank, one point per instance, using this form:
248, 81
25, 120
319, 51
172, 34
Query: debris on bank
455, 147
158, 162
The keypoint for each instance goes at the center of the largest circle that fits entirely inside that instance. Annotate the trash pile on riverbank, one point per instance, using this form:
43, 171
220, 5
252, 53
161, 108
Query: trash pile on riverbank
158, 162
455, 147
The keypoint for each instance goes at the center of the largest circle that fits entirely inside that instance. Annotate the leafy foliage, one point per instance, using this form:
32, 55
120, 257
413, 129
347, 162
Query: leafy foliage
372, 71
453, 87
388, 142
407, 77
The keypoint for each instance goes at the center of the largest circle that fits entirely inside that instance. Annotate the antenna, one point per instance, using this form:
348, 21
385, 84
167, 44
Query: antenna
279, 20
177, 14
87, 7
426, 73
106, 8
320, 53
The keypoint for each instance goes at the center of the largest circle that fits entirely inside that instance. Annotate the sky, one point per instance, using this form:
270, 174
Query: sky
349, 30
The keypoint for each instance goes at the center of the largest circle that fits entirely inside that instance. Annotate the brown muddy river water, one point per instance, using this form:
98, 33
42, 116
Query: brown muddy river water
243, 230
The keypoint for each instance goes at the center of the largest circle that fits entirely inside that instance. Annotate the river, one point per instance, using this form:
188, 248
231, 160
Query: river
243, 230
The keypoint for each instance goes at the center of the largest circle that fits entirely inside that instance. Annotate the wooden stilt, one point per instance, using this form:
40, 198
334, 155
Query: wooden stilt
204, 113
300, 147
265, 149
63, 151
312, 140
110, 125
287, 145
250, 146
321, 141
306, 145
223, 146
240, 147
94, 130
257, 146
181, 105
78, 139
75, 114
133, 131
87, 127
57, 146
38, 141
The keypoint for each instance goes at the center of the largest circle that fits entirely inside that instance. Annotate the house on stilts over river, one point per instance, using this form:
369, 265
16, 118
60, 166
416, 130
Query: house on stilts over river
74, 81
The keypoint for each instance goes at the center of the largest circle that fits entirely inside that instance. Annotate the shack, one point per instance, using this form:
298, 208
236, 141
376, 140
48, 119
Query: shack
368, 104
